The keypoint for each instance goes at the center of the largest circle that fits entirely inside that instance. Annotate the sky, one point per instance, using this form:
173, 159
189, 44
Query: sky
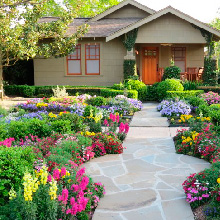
203, 10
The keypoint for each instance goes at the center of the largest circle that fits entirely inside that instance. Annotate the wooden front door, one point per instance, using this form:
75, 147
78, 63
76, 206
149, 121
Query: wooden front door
150, 65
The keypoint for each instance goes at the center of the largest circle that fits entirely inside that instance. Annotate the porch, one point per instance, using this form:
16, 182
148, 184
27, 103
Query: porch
152, 59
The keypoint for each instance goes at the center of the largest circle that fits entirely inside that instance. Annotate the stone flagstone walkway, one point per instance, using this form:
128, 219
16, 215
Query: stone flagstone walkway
145, 182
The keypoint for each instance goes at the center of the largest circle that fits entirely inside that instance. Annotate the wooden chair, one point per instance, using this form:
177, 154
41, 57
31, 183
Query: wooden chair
200, 72
160, 74
192, 74
1, 91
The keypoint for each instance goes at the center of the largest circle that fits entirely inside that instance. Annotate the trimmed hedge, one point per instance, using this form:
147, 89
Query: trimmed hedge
46, 91
112, 93
184, 94
210, 88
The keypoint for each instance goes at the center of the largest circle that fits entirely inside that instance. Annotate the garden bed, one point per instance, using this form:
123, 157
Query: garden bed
56, 136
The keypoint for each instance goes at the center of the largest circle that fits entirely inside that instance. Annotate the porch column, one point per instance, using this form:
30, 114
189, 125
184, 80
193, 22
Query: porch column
130, 55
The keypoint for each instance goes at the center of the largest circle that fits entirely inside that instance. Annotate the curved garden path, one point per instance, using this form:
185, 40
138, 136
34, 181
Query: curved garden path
145, 182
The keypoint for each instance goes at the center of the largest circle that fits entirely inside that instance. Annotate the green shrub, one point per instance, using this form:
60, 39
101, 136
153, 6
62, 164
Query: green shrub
191, 85
215, 116
61, 126
95, 127
184, 94
14, 162
129, 68
89, 110
97, 101
210, 67
112, 93
139, 86
3, 111
171, 72
152, 92
196, 101
119, 86
168, 85
203, 109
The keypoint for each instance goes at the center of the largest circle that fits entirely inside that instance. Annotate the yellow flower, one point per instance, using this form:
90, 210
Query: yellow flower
51, 115
53, 189
218, 180
12, 194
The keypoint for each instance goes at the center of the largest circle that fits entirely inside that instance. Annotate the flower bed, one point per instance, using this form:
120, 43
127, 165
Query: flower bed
42, 145
201, 140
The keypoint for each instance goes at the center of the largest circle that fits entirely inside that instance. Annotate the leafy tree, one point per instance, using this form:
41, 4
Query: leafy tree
216, 24
25, 35
89, 8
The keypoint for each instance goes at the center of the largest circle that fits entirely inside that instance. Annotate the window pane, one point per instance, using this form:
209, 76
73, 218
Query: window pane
92, 51
181, 65
92, 66
74, 67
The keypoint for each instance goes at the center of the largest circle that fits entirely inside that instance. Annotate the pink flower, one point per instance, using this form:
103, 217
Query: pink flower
64, 196
74, 187
106, 122
56, 174
117, 118
80, 173
121, 127
63, 171
49, 178
84, 183
126, 128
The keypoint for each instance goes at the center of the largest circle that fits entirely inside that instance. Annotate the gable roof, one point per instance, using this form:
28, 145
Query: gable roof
160, 13
120, 5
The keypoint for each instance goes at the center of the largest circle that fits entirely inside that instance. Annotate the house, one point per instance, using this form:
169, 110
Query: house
99, 56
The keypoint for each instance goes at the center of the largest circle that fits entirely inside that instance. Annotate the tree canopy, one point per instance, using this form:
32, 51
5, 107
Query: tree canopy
89, 8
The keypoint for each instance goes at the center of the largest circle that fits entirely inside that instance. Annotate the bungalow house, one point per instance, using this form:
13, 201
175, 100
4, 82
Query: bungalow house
99, 56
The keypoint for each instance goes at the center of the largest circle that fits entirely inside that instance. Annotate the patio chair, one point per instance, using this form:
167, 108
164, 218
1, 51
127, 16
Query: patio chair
200, 72
192, 74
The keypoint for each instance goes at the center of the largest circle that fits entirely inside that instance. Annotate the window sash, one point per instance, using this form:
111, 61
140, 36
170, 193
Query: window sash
74, 62
92, 55
179, 56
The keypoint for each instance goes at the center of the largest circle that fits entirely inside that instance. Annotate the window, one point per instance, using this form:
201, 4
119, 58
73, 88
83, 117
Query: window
179, 56
74, 62
92, 59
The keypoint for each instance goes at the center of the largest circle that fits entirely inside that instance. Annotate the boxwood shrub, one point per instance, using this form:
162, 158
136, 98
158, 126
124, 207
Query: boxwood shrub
112, 93
168, 85
184, 94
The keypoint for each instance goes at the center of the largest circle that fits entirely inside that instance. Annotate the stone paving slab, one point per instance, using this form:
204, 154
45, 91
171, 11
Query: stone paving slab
149, 122
145, 182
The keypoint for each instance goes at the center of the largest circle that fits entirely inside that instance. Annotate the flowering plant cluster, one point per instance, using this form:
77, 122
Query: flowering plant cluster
211, 98
173, 108
190, 118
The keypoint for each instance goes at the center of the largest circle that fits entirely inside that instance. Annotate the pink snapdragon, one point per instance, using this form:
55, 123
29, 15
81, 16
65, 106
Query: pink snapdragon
64, 197
56, 174
7, 142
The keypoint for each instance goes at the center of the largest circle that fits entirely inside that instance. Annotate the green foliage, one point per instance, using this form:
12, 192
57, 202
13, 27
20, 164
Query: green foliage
46, 91
15, 47
129, 39
14, 162
152, 92
119, 86
112, 93
210, 67
61, 126
97, 101
137, 85
203, 109
89, 110
191, 85
171, 72
196, 101
129, 68
95, 127
3, 111
168, 85
184, 94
